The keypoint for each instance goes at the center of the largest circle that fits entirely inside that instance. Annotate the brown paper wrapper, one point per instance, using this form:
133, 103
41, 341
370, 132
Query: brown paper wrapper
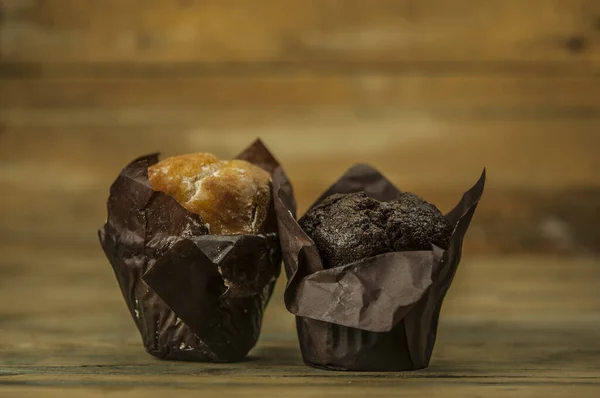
377, 314
193, 296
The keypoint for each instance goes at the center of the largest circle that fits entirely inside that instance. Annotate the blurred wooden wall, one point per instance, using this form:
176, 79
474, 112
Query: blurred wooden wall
429, 91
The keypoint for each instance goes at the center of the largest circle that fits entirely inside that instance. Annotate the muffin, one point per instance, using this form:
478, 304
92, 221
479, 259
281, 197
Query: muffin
193, 242
368, 268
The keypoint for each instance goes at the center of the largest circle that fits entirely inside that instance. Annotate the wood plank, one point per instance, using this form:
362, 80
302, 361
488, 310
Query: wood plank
475, 95
550, 69
536, 201
496, 388
312, 31
317, 147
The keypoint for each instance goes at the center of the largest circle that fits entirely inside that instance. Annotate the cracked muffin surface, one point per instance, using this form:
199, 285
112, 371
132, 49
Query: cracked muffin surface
350, 227
232, 197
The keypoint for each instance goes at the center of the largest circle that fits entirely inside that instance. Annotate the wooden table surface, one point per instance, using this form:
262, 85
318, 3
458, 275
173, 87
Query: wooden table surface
427, 91
512, 326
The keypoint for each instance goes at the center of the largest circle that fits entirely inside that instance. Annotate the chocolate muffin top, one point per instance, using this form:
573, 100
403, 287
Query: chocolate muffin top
349, 227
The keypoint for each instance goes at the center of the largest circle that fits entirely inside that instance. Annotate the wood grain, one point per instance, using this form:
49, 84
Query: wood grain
315, 148
457, 94
491, 388
312, 31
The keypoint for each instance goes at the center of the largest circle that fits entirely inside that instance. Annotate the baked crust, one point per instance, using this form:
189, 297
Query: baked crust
350, 227
232, 197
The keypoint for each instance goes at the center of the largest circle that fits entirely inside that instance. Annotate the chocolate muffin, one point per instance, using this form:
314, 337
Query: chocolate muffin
350, 227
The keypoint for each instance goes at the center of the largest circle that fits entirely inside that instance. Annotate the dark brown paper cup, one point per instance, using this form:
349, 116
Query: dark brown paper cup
377, 314
193, 296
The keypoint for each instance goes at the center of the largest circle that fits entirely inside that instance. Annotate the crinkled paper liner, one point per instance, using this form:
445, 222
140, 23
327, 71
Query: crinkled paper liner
193, 296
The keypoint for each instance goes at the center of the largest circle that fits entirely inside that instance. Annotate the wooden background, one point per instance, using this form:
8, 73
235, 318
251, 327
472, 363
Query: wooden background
428, 91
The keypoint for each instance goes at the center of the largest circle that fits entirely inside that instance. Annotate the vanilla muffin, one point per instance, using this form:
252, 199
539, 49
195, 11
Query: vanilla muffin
231, 196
